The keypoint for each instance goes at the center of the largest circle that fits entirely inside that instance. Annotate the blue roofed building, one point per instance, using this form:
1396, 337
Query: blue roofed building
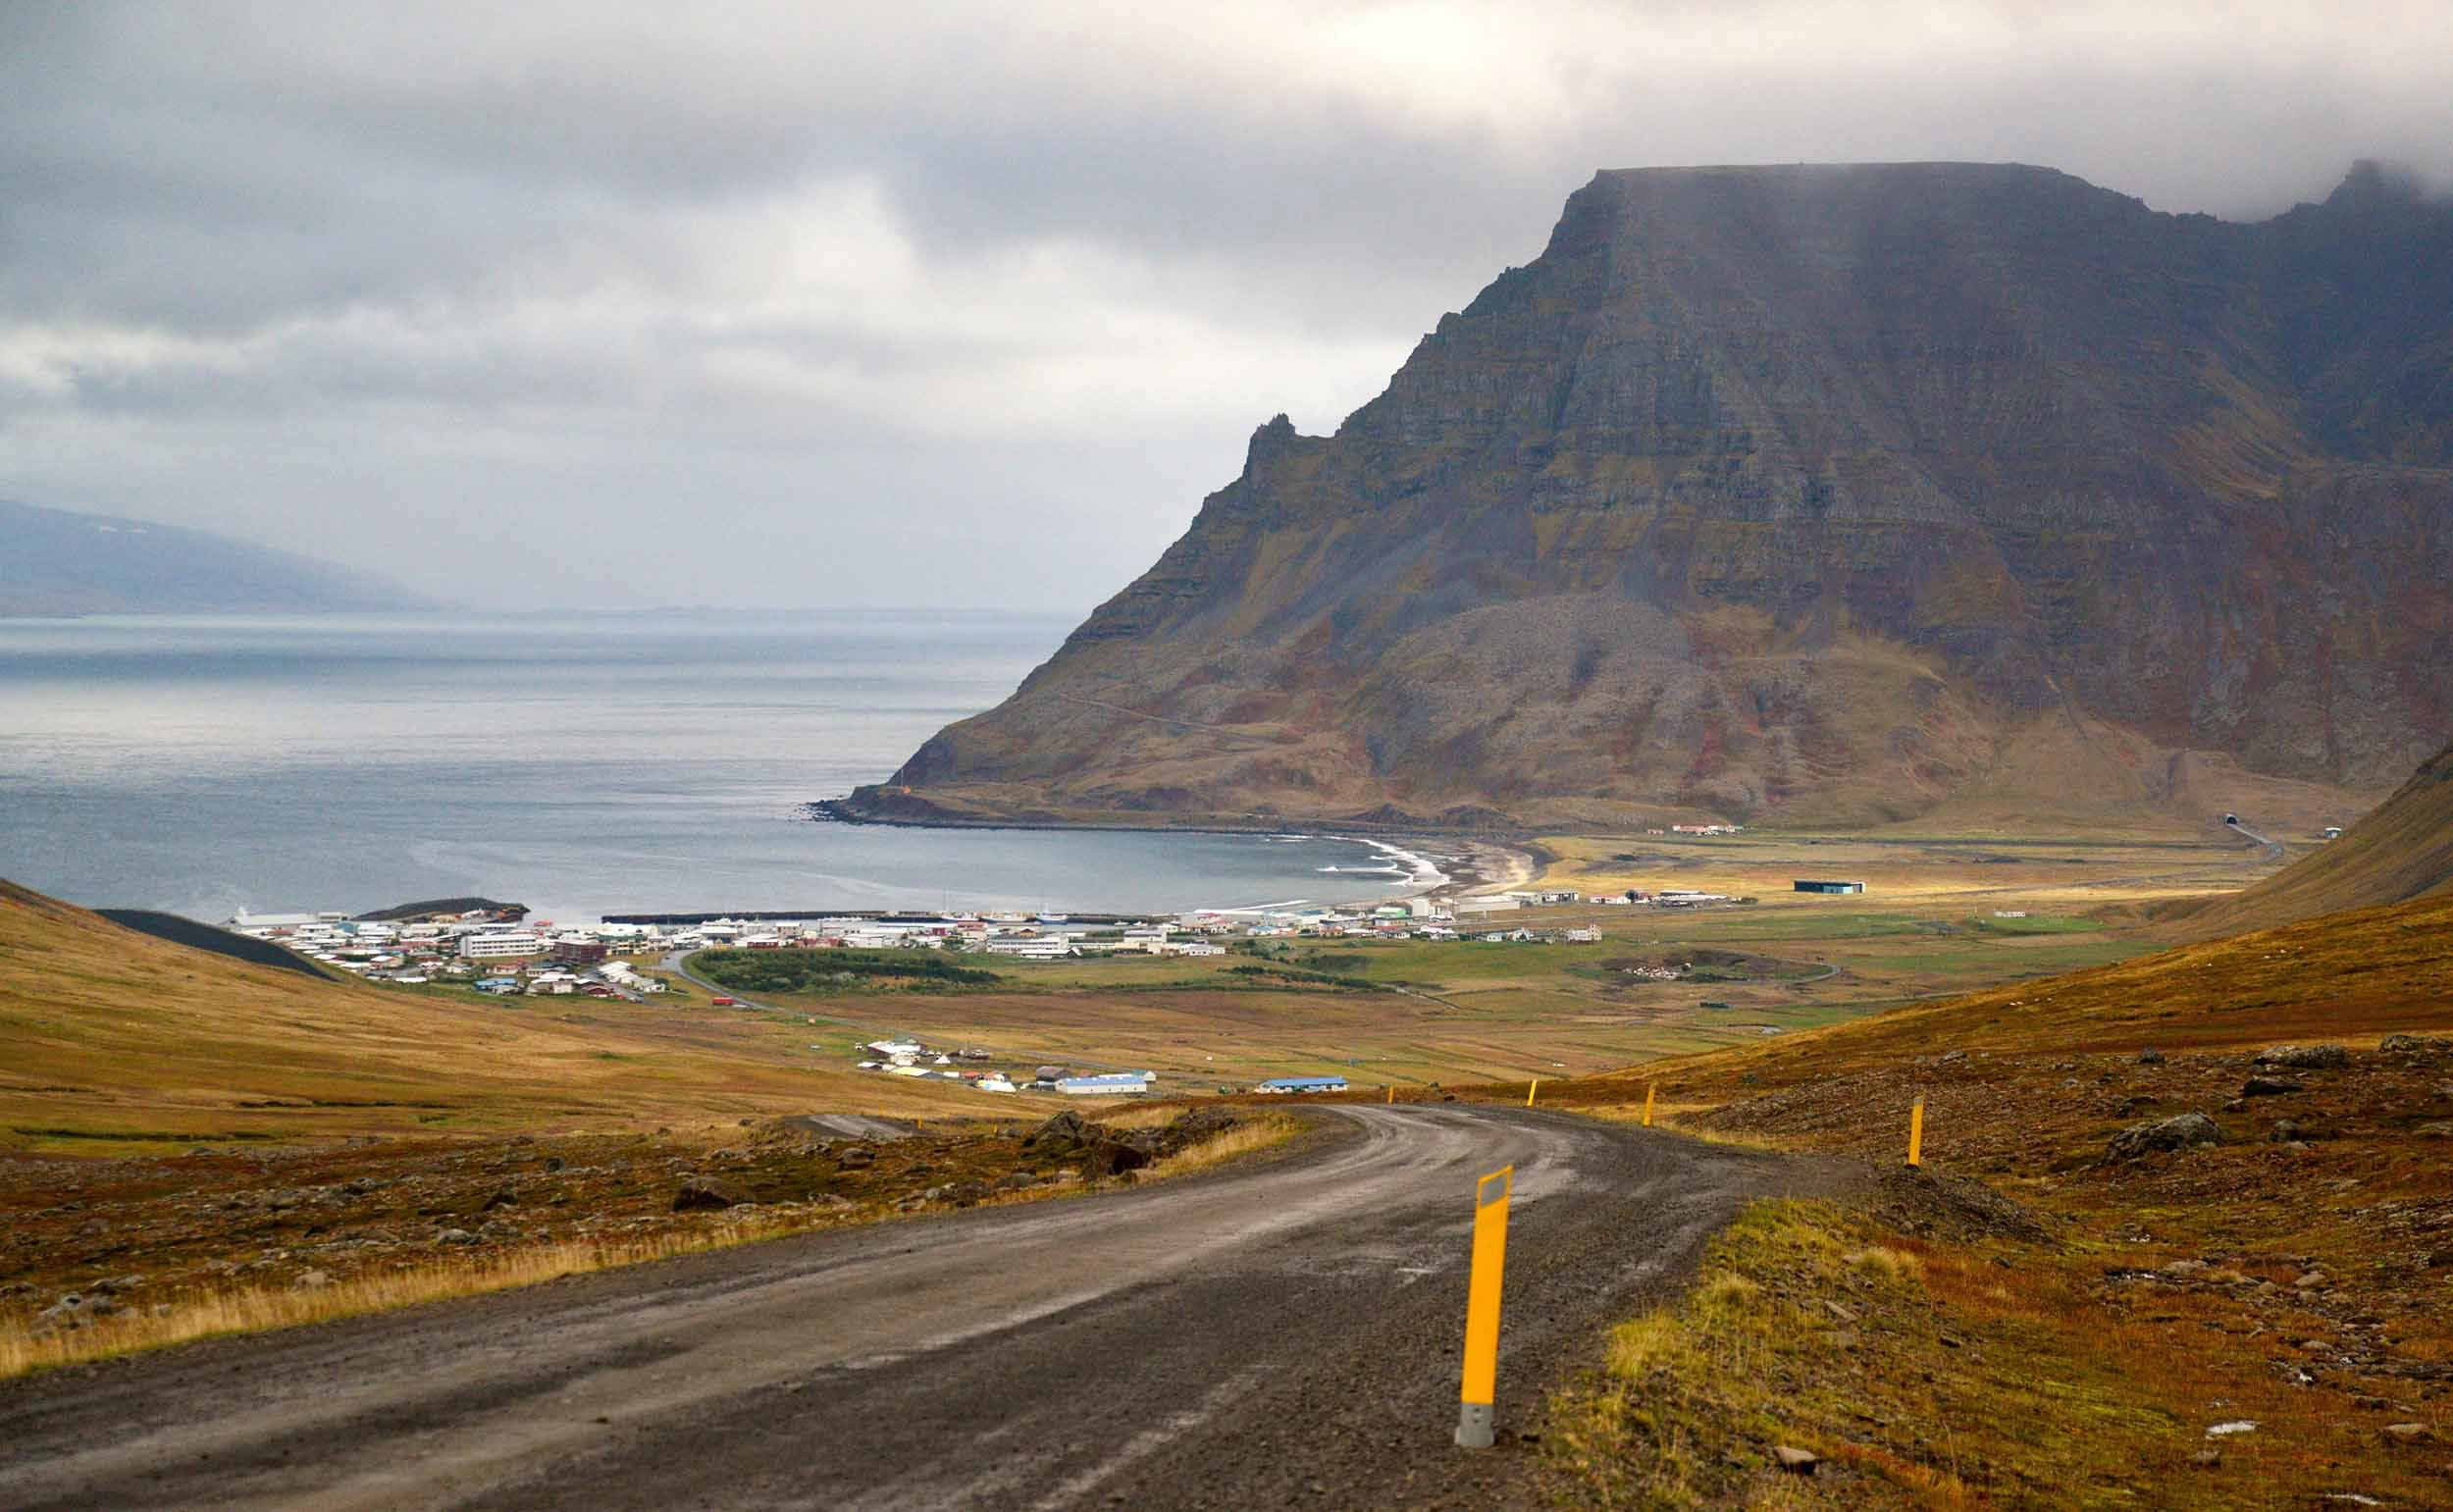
1303, 1084
1115, 1084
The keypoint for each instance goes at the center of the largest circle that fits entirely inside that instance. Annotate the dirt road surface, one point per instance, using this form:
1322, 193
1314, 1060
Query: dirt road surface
1273, 1333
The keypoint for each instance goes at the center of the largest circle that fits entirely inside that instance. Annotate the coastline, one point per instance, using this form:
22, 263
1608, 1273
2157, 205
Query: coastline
1479, 863
1492, 866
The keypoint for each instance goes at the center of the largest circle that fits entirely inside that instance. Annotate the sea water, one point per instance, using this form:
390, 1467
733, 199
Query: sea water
584, 764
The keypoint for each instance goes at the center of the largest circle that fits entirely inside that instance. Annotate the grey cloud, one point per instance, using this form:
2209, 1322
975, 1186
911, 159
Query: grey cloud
1018, 279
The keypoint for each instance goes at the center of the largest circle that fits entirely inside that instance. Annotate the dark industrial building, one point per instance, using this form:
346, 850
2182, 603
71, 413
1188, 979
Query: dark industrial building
1830, 887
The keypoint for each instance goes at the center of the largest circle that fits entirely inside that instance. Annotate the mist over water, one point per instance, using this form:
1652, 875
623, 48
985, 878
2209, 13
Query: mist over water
583, 765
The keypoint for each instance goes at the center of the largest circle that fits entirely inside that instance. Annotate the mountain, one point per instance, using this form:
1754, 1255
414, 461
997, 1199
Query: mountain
2401, 850
56, 562
1836, 494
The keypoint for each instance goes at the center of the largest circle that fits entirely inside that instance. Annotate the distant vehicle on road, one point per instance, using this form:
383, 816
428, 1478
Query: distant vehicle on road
725, 1002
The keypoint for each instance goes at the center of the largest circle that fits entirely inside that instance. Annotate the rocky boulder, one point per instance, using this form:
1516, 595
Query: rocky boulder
706, 1193
1113, 1157
2314, 1058
1196, 1126
1059, 1136
2180, 1133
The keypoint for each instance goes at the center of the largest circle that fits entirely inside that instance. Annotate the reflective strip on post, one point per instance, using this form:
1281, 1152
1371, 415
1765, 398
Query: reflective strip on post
1481, 1309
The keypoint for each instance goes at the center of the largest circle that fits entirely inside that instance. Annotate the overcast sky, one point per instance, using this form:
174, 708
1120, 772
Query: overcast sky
937, 304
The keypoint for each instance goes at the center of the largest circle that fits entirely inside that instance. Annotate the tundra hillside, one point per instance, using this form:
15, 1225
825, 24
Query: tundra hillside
2183, 1235
1811, 495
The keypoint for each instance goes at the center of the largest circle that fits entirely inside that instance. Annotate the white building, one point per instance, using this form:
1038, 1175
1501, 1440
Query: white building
487, 947
1030, 949
1120, 1084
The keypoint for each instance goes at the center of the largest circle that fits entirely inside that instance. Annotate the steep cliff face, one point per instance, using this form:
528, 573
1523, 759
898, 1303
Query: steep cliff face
1819, 493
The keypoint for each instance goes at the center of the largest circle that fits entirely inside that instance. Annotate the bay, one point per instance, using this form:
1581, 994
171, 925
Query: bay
582, 764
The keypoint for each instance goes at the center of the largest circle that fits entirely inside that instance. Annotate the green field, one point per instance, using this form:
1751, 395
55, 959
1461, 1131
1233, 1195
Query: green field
1412, 1012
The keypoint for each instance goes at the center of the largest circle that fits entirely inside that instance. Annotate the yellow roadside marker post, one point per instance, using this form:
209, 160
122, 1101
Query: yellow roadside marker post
1530, 1088
1481, 1309
1649, 1089
1393, 1093
1916, 1132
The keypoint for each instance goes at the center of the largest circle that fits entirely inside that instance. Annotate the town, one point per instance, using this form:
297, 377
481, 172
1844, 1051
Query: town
498, 949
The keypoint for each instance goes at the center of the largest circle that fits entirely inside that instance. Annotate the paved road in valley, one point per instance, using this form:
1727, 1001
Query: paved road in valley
1269, 1333
2269, 849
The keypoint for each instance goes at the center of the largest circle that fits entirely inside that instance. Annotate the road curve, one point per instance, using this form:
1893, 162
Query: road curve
1273, 1333
2269, 848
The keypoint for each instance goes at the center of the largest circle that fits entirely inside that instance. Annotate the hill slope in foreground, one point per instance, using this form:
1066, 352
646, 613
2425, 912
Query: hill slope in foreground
2042, 1314
1818, 495
2400, 851
115, 1040
60, 562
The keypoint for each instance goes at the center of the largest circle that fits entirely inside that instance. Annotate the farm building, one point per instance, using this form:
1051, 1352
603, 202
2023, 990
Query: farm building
1303, 1084
1830, 887
1120, 1084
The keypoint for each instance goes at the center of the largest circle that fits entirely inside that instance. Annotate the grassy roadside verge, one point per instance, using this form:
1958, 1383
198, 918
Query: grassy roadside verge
2200, 1203
1974, 1366
123, 1314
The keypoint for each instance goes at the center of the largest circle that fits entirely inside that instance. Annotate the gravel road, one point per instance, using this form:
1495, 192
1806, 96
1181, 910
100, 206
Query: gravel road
1271, 1333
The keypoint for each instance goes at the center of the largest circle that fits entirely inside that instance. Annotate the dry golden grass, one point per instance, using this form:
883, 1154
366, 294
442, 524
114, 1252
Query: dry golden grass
1998, 1363
1263, 1132
256, 1309
252, 1309
1115, 1112
2351, 977
115, 1040
1665, 1116
1946, 873
1926, 1375
2402, 850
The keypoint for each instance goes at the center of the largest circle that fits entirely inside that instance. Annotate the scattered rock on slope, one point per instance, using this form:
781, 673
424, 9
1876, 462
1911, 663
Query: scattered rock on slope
2313, 1058
709, 1192
2180, 1133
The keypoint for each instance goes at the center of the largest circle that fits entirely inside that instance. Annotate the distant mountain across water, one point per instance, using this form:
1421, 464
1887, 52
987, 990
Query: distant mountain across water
1966, 493
56, 561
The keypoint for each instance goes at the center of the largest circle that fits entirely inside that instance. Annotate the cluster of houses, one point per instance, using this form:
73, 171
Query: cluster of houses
1060, 936
489, 949
907, 1056
501, 950
1632, 897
